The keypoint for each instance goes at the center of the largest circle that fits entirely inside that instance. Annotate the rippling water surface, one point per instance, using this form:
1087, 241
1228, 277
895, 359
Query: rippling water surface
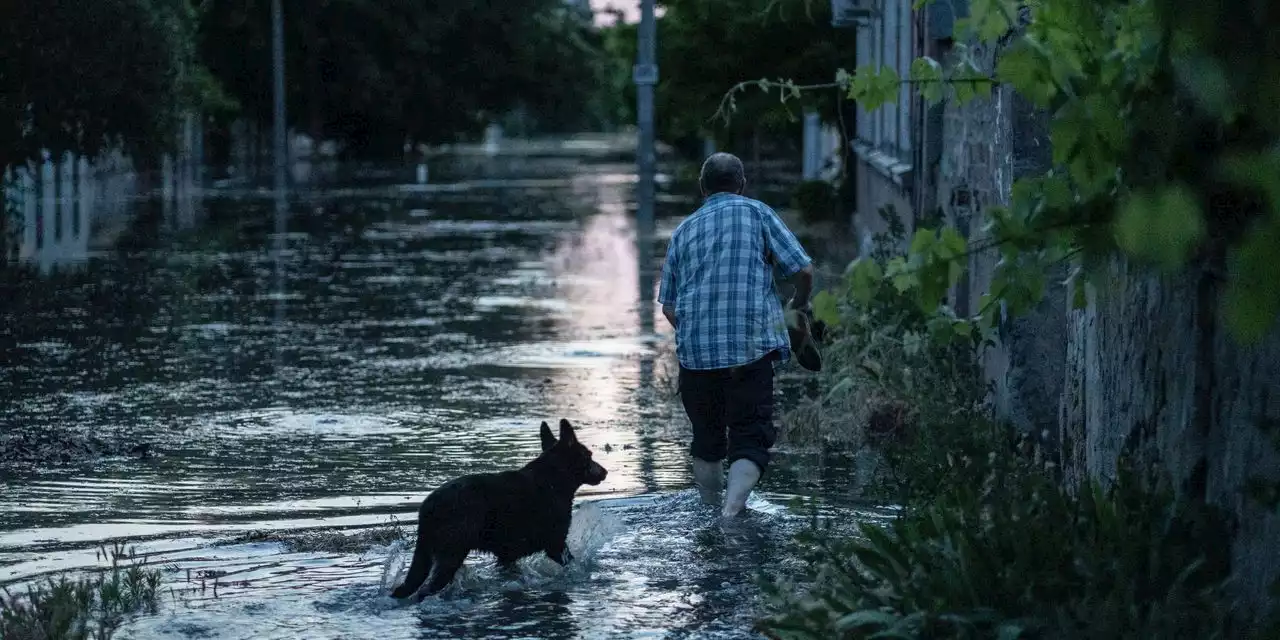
327, 380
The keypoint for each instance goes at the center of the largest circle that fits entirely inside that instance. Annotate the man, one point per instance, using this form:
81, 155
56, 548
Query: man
717, 292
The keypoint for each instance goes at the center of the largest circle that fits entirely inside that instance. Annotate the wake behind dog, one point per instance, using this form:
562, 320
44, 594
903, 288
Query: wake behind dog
512, 514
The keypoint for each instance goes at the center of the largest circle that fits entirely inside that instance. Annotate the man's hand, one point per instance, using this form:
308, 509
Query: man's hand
804, 287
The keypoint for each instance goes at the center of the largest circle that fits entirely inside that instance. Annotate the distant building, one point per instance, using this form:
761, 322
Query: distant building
896, 150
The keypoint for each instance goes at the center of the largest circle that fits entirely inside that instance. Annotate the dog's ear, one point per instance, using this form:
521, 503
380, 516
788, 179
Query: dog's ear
566, 432
548, 440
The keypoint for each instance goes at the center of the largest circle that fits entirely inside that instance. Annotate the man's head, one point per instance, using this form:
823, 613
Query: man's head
722, 173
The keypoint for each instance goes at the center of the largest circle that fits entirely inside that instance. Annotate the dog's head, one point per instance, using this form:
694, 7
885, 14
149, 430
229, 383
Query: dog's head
571, 456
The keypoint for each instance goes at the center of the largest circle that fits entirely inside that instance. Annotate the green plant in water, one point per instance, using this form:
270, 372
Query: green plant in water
889, 373
989, 544
83, 608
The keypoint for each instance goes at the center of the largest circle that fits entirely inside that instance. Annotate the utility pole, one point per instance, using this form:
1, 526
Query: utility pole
645, 76
280, 153
281, 138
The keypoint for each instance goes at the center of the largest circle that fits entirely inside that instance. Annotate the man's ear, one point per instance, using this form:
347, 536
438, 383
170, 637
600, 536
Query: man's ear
548, 440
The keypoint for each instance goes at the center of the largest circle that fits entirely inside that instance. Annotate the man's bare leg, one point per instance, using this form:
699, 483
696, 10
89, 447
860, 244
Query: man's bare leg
743, 475
709, 478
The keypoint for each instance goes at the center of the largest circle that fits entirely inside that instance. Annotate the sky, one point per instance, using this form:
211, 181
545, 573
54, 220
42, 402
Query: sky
631, 8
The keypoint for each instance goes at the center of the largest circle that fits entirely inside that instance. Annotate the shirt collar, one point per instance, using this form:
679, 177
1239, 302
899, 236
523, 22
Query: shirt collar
721, 195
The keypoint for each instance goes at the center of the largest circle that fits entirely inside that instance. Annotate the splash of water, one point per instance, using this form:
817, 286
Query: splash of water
589, 531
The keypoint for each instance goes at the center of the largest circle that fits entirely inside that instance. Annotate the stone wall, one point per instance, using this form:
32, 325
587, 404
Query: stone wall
1145, 369
1152, 374
987, 144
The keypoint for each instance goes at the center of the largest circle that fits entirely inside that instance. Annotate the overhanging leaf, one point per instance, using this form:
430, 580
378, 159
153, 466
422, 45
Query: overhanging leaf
1163, 227
1252, 299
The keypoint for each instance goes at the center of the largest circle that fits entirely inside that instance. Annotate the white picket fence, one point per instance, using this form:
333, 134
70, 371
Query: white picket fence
67, 208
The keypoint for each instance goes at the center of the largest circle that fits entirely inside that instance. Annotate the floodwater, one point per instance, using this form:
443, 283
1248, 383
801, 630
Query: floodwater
397, 336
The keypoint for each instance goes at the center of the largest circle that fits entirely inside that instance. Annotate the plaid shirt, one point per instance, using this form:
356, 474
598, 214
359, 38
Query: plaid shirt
718, 280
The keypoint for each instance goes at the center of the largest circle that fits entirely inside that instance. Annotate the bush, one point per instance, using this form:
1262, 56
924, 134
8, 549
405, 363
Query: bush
84, 608
1016, 557
884, 375
989, 544
816, 201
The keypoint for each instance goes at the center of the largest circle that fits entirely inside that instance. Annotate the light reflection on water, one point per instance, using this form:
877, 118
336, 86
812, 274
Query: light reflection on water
410, 338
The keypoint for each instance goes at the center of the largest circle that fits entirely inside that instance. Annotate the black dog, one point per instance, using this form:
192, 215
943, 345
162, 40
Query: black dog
511, 514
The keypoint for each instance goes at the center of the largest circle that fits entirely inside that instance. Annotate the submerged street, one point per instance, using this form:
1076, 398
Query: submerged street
397, 336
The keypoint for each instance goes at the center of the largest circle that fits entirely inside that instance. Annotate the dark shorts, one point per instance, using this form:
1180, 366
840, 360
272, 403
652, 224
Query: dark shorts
731, 411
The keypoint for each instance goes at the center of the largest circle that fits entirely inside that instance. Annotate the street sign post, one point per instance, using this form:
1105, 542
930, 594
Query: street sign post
645, 76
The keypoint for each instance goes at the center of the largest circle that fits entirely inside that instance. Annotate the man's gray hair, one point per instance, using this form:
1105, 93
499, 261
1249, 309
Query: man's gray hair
722, 172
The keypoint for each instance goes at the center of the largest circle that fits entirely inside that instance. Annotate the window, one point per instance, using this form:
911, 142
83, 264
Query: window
886, 39
905, 55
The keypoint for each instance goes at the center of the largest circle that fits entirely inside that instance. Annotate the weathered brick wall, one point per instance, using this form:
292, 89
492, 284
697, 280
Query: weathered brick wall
987, 144
1145, 370
1152, 374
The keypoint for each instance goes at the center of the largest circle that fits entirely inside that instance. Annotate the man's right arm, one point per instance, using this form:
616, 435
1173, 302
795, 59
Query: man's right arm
791, 257
803, 280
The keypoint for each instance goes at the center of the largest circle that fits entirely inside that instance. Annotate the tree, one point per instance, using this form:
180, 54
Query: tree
77, 76
705, 44
375, 74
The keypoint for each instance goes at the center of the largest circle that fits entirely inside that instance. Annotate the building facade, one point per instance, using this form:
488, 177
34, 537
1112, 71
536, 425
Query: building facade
952, 161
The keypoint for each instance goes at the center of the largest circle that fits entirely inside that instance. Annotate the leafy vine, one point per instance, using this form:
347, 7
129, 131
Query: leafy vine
1159, 154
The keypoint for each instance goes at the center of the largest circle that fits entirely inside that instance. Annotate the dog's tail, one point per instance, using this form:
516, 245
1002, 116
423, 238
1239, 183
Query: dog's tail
418, 569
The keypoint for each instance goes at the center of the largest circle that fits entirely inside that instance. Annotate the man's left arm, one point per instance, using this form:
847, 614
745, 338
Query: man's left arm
667, 286
791, 258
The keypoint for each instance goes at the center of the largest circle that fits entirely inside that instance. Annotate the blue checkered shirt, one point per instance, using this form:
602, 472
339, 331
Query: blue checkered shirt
720, 282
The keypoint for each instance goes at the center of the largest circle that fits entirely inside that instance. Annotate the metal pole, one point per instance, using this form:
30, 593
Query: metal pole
277, 64
645, 76
280, 153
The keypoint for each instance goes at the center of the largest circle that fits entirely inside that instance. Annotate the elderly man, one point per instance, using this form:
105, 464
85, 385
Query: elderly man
717, 292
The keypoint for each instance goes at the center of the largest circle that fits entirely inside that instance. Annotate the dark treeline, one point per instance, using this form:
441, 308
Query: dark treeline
375, 74
372, 74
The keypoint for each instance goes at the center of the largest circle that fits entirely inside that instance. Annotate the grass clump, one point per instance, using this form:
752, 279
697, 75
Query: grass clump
350, 540
816, 201
1016, 556
82, 608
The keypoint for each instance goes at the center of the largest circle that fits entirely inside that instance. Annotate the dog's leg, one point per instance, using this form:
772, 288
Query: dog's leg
418, 569
507, 565
445, 566
559, 551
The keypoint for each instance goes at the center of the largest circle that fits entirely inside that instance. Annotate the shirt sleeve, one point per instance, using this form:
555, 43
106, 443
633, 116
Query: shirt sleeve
667, 286
789, 257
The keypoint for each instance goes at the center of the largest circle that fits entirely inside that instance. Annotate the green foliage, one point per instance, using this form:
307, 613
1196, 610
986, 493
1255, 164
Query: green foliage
1164, 146
75, 76
1014, 556
373, 73
705, 44
989, 544
816, 201
889, 372
83, 608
